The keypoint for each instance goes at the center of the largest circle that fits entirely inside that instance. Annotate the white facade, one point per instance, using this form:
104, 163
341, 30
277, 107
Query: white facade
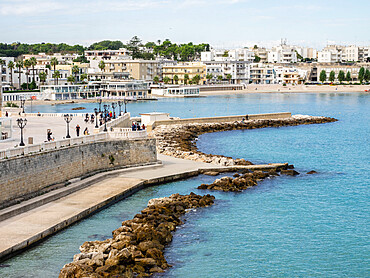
282, 54
121, 54
240, 54
350, 53
329, 56
177, 91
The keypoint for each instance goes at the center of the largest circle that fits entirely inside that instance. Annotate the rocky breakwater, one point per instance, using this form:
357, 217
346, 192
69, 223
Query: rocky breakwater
180, 140
136, 249
247, 179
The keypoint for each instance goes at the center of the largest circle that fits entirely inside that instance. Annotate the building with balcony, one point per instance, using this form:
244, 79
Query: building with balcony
120, 54
189, 69
262, 73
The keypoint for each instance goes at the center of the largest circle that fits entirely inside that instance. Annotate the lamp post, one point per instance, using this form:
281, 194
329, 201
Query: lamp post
126, 101
114, 105
68, 119
22, 104
119, 104
96, 117
99, 101
105, 117
21, 123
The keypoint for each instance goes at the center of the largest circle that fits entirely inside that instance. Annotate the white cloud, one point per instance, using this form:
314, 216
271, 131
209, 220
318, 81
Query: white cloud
28, 7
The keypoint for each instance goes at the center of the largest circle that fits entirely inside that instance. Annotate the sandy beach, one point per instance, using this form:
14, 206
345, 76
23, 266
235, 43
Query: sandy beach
277, 88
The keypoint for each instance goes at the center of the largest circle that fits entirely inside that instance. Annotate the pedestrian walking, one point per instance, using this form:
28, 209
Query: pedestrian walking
86, 131
78, 130
49, 135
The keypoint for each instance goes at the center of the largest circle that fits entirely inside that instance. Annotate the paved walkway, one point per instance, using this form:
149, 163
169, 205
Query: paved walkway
37, 127
20, 231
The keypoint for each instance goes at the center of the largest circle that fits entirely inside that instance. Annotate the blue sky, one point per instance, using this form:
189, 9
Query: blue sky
221, 23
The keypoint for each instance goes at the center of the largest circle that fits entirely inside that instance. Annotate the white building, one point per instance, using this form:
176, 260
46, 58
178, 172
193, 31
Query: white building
120, 54
282, 54
329, 56
176, 91
240, 54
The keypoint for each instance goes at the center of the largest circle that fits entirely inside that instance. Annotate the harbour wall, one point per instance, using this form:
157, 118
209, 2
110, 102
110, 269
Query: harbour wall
25, 177
222, 119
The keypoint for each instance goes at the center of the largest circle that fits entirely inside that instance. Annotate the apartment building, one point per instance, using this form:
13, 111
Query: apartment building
282, 54
262, 53
353, 70
124, 69
239, 71
261, 73
44, 59
190, 69
240, 54
120, 54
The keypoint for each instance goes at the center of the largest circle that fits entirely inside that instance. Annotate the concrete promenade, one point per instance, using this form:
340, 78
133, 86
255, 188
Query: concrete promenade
32, 223
20, 231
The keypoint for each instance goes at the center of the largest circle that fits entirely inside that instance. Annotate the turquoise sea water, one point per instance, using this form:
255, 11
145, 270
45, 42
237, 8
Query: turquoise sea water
304, 226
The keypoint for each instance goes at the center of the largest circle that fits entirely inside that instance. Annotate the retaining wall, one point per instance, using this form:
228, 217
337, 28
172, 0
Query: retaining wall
280, 115
24, 177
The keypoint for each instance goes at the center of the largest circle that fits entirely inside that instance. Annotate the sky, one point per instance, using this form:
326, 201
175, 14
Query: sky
222, 23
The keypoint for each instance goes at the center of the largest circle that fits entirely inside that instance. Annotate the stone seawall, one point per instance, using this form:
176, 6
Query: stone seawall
221, 119
25, 177
179, 140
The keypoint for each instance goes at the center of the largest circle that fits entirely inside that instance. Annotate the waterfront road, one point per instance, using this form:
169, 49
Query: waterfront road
24, 229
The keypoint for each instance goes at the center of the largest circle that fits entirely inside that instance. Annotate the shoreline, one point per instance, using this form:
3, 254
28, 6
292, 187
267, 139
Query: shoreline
251, 89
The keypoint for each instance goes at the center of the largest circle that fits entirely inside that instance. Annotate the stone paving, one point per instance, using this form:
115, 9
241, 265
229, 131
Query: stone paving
19, 231
37, 128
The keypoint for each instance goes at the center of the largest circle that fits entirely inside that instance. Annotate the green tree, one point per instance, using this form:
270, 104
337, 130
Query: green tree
226, 54
27, 65
42, 76
196, 79
361, 74
186, 78
75, 71
323, 76
71, 79
19, 66
348, 76
209, 77
133, 46
332, 76
156, 79
54, 63
228, 77
257, 59
341, 76
219, 78
176, 79
33, 62
166, 80
56, 76
101, 67
255, 46
84, 77
367, 75
11, 67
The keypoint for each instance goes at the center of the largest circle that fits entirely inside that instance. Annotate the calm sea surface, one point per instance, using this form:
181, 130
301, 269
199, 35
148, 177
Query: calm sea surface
304, 226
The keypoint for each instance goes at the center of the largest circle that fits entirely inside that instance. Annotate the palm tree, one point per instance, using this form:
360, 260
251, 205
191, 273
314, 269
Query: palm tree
228, 77
75, 70
219, 78
11, 67
33, 63
209, 76
19, 65
56, 75
156, 79
186, 78
176, 79
71, 79
27, 64
101, 67
42, 76
166, 80
83, 76
54, 63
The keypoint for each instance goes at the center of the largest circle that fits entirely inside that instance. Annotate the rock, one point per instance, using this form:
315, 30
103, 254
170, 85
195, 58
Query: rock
136, 249
311, 172
211, 173
289, 172
242, 161
236, 175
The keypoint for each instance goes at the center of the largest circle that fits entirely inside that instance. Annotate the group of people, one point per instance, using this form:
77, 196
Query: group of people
136, 126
